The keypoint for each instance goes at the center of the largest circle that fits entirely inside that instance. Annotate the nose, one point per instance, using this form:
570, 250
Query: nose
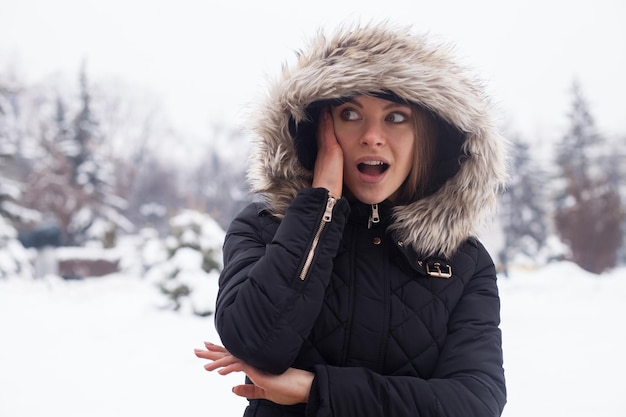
373, 135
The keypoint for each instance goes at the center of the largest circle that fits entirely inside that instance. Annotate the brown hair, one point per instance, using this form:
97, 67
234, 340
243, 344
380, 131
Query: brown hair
419, 180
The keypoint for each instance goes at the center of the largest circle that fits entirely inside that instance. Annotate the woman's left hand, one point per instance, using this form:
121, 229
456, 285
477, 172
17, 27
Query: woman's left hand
291, 387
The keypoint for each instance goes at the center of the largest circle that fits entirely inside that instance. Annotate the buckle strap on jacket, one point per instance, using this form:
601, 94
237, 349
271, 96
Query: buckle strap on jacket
431, 266
438, 269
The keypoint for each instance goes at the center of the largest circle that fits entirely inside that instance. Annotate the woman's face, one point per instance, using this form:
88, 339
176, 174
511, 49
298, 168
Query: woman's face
378, 139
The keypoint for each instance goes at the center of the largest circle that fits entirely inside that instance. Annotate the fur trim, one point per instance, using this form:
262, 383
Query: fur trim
374, 59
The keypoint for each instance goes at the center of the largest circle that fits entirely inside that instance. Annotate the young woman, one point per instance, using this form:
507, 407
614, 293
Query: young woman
358, 287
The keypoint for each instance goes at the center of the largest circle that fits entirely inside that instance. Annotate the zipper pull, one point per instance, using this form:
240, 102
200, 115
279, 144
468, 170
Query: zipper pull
374, 216
328, 213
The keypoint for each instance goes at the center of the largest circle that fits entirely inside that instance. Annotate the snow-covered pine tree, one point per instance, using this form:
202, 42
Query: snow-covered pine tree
99, 217
72, 181
188, 277
523, 211
13, 258
588, 214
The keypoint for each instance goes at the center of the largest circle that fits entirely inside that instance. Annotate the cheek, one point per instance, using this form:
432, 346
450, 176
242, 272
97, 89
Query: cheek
344, 137
344, 132
406, 146
406, 154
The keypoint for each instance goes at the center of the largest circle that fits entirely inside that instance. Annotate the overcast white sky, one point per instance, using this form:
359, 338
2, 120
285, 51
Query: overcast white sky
208, 59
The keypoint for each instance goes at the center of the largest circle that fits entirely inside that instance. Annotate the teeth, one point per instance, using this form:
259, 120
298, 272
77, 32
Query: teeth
373, 163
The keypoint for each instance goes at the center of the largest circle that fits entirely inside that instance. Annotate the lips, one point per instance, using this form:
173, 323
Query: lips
372, 168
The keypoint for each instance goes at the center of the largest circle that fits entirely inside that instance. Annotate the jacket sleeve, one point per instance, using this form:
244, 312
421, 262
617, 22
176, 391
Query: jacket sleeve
468, 380
264, 308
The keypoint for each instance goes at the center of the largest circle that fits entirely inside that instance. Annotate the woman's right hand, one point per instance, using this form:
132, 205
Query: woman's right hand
291, 387
328, 171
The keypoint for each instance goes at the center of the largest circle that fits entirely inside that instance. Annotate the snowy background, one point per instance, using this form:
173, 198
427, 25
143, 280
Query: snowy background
113, 345
208, 60
106, 346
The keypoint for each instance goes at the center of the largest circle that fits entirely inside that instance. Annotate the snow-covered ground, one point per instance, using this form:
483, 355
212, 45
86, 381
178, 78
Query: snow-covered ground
103, 347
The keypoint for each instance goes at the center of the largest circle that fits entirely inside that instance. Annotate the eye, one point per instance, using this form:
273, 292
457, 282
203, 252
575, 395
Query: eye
397, 117
349, 114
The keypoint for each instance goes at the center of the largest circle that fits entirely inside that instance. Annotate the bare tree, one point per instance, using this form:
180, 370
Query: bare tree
588, 208
220, 186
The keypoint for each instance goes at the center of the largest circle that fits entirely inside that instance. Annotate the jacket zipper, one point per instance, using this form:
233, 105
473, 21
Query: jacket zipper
326, 218
374, 216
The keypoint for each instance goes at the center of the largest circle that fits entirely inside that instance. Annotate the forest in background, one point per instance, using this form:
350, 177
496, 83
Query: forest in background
85, 162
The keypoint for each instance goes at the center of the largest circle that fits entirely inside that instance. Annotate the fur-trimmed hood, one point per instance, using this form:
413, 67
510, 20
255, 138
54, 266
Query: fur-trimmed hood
380, 58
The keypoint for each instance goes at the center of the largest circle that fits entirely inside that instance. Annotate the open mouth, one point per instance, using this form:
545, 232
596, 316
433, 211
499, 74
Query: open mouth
372, 167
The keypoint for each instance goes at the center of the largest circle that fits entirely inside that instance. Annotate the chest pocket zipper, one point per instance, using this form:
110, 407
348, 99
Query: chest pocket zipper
326, 218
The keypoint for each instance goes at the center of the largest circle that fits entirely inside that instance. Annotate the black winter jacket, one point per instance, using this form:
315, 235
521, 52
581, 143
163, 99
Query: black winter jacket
383, 337
397, 317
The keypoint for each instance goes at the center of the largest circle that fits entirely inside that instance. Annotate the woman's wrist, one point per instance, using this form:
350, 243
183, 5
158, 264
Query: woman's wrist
333, 190
307, 384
